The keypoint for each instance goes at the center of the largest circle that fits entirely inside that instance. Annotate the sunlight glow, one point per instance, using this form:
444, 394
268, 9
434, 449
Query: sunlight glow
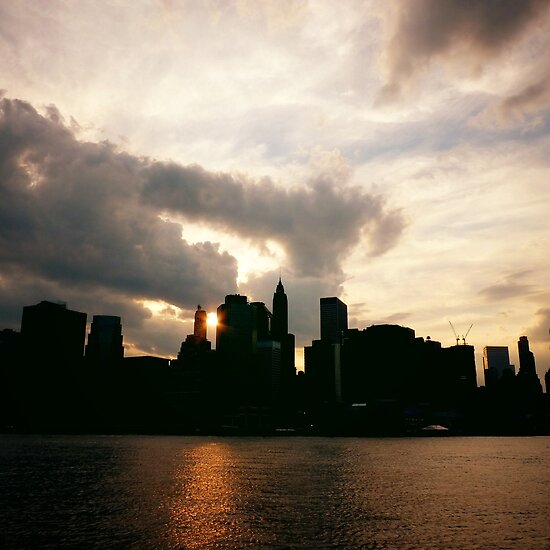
212, 319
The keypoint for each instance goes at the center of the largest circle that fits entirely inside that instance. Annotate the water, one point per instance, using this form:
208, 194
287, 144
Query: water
205, 492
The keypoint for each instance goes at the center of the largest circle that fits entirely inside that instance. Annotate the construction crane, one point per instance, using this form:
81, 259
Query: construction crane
463, 337
456, 335
467, 332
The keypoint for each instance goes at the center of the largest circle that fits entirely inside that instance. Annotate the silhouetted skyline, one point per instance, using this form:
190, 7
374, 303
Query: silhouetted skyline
380, 380
350, 148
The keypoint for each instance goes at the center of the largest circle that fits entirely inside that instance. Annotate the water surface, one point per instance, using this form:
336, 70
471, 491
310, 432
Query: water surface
205, 492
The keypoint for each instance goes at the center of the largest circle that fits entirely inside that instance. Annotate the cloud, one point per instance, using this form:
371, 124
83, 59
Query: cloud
510, 287
474, 32
87, 223
72, 213
540, 331
527, 107
318, 224
539, 338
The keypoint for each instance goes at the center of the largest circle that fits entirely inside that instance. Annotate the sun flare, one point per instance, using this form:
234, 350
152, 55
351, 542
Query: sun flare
212, 319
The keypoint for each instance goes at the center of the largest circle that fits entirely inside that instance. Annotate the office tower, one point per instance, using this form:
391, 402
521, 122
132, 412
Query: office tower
322, 360
104, 346
279, 327
496, 364
322, 368
52, 348
334, 320
236, 331
192, 366
526, 357
53, 333
377, 362
195, 346
459, 374
527, 378
199, 329
279, 333
263, 321
268, 372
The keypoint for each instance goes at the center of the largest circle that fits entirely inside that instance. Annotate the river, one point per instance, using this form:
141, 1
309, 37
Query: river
163, 492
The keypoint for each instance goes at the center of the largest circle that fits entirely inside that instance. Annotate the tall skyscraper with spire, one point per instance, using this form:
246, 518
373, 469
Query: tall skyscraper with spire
279, 333
279, 324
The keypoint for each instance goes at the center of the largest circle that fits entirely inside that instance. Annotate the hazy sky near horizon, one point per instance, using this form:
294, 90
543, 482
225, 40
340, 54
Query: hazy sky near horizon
155, 155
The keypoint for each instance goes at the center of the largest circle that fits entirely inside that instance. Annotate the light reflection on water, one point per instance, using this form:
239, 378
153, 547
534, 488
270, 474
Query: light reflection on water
198, 492
202, 510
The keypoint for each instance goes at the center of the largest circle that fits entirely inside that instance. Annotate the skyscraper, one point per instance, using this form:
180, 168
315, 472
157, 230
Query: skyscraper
322, 360
279, 333
236, 331
527, 378
105, 341
199, 329
51, 332
496, 364
279, 327
526, 357
264, 319
334, 319
52, 337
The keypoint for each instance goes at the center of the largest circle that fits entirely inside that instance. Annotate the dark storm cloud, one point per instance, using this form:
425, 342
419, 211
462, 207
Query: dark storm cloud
71, 212
82, 223
476, 31
317, 224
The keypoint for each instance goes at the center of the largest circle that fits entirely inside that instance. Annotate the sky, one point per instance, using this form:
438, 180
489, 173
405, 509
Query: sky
156, 155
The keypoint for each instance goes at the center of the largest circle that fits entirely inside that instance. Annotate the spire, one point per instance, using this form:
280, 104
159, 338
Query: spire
280, 287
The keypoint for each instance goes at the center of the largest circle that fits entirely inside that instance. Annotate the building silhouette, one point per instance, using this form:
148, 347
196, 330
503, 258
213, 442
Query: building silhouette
236, 331
46, 380
51, 333
279, 333
279, 328
377, 362
334, 319
196, 346
380, 380
322, 360
200, 325
255, 352
263, 320
193, 370
104, 347
459, 374
496, 365
529, 386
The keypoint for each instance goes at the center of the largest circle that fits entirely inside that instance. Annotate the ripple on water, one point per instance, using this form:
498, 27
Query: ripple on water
199, 492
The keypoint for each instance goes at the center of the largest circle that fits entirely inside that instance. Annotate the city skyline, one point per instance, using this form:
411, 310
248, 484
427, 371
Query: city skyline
333, 326
150, 162
380, 380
